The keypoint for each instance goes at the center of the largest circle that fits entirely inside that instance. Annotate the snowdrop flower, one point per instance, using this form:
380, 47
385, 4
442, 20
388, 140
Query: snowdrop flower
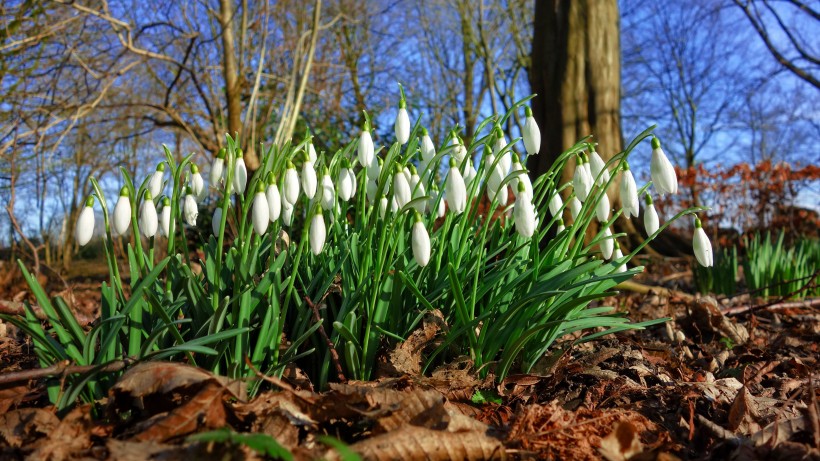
435, 202
346, 183
602, 209
370, 189
216, 222
582, 180
650, 217
85, 223
189, 209
240, 173
607, 245
318, 232
287, 212
560, 228
662, 171
629, 193
498, 146
375, 169
420, 241
522, 178
428, 150
459, 152
556, 204
260, 211
155, 184
616, 256
308, 177
383, 206
165, 218
218, 167
401, 187
702, 245
290, 185
197, 183
148, 222
328, 192
311, 151
366, 146
273, 198
402, 125
122, 212
598, 168
574, 207
407, 174
417, 189
455, 192
531, 133
524, 214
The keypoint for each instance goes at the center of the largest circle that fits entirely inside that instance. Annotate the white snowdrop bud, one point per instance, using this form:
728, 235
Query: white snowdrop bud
218, 167
531, 133
581, 179
702, 245
287, 212
346, 183
383, 207
370, 189
662, 171
328, 197
85, 223
318, 232
437, 204
165, 217
122, 212
428, 149
524, 215
469, 173
273, 198
602, 209
598, 167
216, 222
574, 207
560, 228
148, 222
197, 183
556, 204
401, 187
260, 211
290, 185
366, 150
189, 209
455, 192
402, 125
156, 182
616, 256
499, 145
240, 174
375, 168
459, 152
420, 241
629, 193
650, 217
607, 245
308, 177
417, 189
311, 151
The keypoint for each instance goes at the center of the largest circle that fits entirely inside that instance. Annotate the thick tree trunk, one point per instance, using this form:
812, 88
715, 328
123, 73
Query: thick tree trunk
230, 71
576, 73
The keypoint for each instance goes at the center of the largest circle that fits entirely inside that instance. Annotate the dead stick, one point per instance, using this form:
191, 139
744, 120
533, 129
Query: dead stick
60, 369
645, 289
785, 305
17, 308
334, 355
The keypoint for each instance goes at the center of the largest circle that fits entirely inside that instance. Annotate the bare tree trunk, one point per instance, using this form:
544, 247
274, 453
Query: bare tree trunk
233, 90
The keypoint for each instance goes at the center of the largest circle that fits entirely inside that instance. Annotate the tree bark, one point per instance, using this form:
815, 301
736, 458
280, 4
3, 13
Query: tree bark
233, 90
576, 72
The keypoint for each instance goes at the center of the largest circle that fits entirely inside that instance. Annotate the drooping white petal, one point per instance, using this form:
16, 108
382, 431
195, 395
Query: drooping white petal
189, 210
555, 204
155, 184
401, 189
602, 209
420, 241
417, 188
455, 191
217, 169
629, 194
287, 212
524, 215
383, 207
148, 222
617, 255
309, 181
531, 134
290, 185
318, 233
651, 222
581, 182
311, 153
402, 126
459, 152
702, 246
328, 192
371, 188
598, 167
240, 176
607, 244
122, 214
574, 207
375, 169
662, 171
165, 219
366, 148
345, 184
216, 222
428, 150
85, 226
260, 213
274, 202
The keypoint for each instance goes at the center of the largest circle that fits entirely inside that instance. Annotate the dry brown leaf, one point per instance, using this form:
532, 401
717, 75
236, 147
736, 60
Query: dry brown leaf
22, 427
720, 391
70, 438
780, 431
707, 316
205, 410
165, 377
280, 415
743, 414
407, 356
12, 396
412, 442
622, 443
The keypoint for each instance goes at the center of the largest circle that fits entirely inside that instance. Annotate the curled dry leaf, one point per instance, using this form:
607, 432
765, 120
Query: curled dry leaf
622, 443
70, 438
744, 414
21, 427
708, 317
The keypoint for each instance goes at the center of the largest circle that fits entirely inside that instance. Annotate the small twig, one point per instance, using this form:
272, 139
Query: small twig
278, 382
716, 430
772, 306
645, 289
334, 355
60, 369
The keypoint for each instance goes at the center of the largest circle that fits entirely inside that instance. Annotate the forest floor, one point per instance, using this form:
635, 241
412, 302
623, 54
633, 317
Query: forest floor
724, 379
